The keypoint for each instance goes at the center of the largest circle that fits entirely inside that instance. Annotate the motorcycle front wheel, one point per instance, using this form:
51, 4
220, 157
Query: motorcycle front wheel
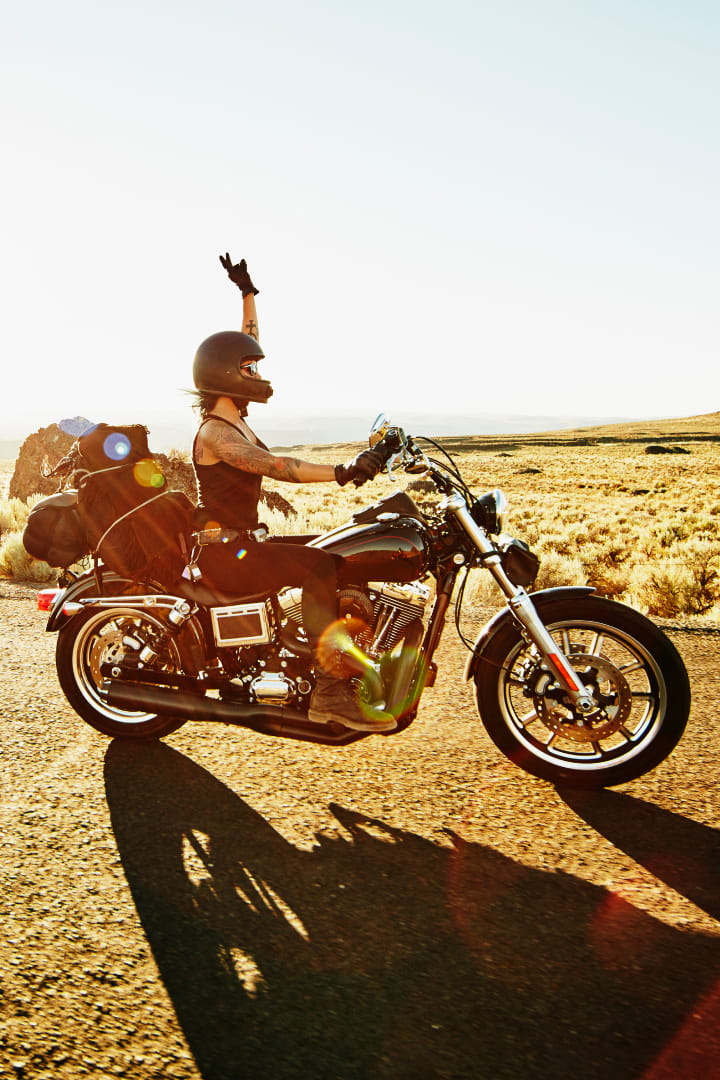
107, 635
636, 677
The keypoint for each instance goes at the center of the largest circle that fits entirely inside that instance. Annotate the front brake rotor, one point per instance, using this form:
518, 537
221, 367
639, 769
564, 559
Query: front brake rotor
610, 691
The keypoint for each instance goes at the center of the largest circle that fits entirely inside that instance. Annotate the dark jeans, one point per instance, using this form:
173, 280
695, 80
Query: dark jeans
268, 567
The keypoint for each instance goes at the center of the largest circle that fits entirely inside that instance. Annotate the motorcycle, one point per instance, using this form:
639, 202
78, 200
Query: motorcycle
570, 686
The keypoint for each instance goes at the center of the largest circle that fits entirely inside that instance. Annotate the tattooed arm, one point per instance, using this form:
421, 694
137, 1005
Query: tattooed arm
250, 323
219, 442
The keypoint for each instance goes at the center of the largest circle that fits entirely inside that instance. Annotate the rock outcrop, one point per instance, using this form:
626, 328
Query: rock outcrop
37, 455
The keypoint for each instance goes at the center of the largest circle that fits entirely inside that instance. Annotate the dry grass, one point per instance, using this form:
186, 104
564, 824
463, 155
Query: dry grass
641, 527
597, 508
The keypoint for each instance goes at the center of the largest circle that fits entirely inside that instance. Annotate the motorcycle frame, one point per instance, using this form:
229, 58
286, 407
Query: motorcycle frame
520, 606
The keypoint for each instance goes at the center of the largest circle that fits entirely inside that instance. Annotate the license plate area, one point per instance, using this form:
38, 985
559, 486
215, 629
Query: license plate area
241, 624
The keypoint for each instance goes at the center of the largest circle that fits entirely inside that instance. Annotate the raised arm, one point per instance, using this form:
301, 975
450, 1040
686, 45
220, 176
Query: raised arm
239, 275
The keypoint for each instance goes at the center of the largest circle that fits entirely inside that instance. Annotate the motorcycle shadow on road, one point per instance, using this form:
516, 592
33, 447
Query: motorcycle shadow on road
679, 851
381, 954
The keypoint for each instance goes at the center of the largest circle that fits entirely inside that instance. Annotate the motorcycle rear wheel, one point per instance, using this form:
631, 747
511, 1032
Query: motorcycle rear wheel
636, 676
100, 636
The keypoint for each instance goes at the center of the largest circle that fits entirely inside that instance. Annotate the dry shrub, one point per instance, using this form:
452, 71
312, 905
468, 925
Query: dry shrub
689, 585
609, 581
303, 522
16, 563
481, 591
13, 514
14, 559
557, 570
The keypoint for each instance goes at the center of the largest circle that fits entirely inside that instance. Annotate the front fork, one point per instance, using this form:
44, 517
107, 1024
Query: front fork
523, 610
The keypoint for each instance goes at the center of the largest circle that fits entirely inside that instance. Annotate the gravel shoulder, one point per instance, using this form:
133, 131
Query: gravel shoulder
225, 905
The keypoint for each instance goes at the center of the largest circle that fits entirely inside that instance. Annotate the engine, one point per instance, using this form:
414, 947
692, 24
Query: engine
268, 661
382, 612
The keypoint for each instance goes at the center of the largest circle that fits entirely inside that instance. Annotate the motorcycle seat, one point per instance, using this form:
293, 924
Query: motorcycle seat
201, 593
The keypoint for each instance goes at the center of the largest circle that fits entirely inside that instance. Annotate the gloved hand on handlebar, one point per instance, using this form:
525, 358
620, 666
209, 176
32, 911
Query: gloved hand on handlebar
361, 469
239, 275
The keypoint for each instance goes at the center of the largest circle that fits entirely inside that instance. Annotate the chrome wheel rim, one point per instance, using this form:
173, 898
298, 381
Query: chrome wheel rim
626, 684
103, 639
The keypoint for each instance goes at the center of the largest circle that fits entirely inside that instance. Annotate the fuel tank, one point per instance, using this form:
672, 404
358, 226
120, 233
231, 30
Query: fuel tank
388, 541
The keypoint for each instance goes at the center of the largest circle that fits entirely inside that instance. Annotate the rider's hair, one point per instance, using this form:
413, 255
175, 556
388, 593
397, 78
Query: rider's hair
205, 402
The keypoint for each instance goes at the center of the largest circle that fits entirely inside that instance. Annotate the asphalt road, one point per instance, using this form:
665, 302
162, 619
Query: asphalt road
224, 905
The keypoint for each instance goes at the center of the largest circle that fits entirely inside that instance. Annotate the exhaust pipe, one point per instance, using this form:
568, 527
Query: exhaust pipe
270, 720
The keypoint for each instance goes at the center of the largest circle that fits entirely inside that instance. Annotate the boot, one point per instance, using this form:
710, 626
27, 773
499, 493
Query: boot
336, 699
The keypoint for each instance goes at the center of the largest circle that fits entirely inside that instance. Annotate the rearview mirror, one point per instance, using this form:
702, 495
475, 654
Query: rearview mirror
379, 429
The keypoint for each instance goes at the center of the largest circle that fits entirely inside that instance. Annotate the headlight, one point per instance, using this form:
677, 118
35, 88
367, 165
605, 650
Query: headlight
488, 511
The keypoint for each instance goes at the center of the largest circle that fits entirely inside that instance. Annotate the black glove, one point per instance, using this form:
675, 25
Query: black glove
361, 469
239, 275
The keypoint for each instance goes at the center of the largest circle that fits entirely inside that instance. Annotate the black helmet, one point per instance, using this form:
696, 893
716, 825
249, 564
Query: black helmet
217, 368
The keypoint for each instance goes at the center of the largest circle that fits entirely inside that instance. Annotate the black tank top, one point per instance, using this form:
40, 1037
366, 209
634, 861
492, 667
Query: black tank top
227, 495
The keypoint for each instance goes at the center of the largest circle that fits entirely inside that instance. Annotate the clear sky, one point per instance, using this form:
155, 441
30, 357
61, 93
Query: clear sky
503, 207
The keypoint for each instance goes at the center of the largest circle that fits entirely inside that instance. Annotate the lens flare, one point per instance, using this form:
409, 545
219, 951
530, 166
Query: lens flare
337, 652
406, 676
116, 446
241, 553
148, 473
688, 1053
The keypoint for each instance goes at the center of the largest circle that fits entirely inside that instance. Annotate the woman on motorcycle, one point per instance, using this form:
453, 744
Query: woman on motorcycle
230, 461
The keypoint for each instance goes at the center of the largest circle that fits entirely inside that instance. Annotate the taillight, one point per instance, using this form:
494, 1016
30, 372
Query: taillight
46, 598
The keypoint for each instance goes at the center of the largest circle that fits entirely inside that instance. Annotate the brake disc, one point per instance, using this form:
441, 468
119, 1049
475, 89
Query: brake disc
610, 691
106, 648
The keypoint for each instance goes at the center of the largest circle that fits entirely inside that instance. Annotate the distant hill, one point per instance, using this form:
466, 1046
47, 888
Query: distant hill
702, 428
480, 432
488, 429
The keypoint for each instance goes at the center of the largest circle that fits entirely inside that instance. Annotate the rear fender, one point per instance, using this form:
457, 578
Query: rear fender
500, 620
103, 583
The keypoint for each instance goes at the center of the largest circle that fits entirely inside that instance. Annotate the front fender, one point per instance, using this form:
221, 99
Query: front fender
100, 583
503, 617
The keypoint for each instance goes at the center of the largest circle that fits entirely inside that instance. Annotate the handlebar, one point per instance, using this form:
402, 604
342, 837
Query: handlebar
401, 450
393, 441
